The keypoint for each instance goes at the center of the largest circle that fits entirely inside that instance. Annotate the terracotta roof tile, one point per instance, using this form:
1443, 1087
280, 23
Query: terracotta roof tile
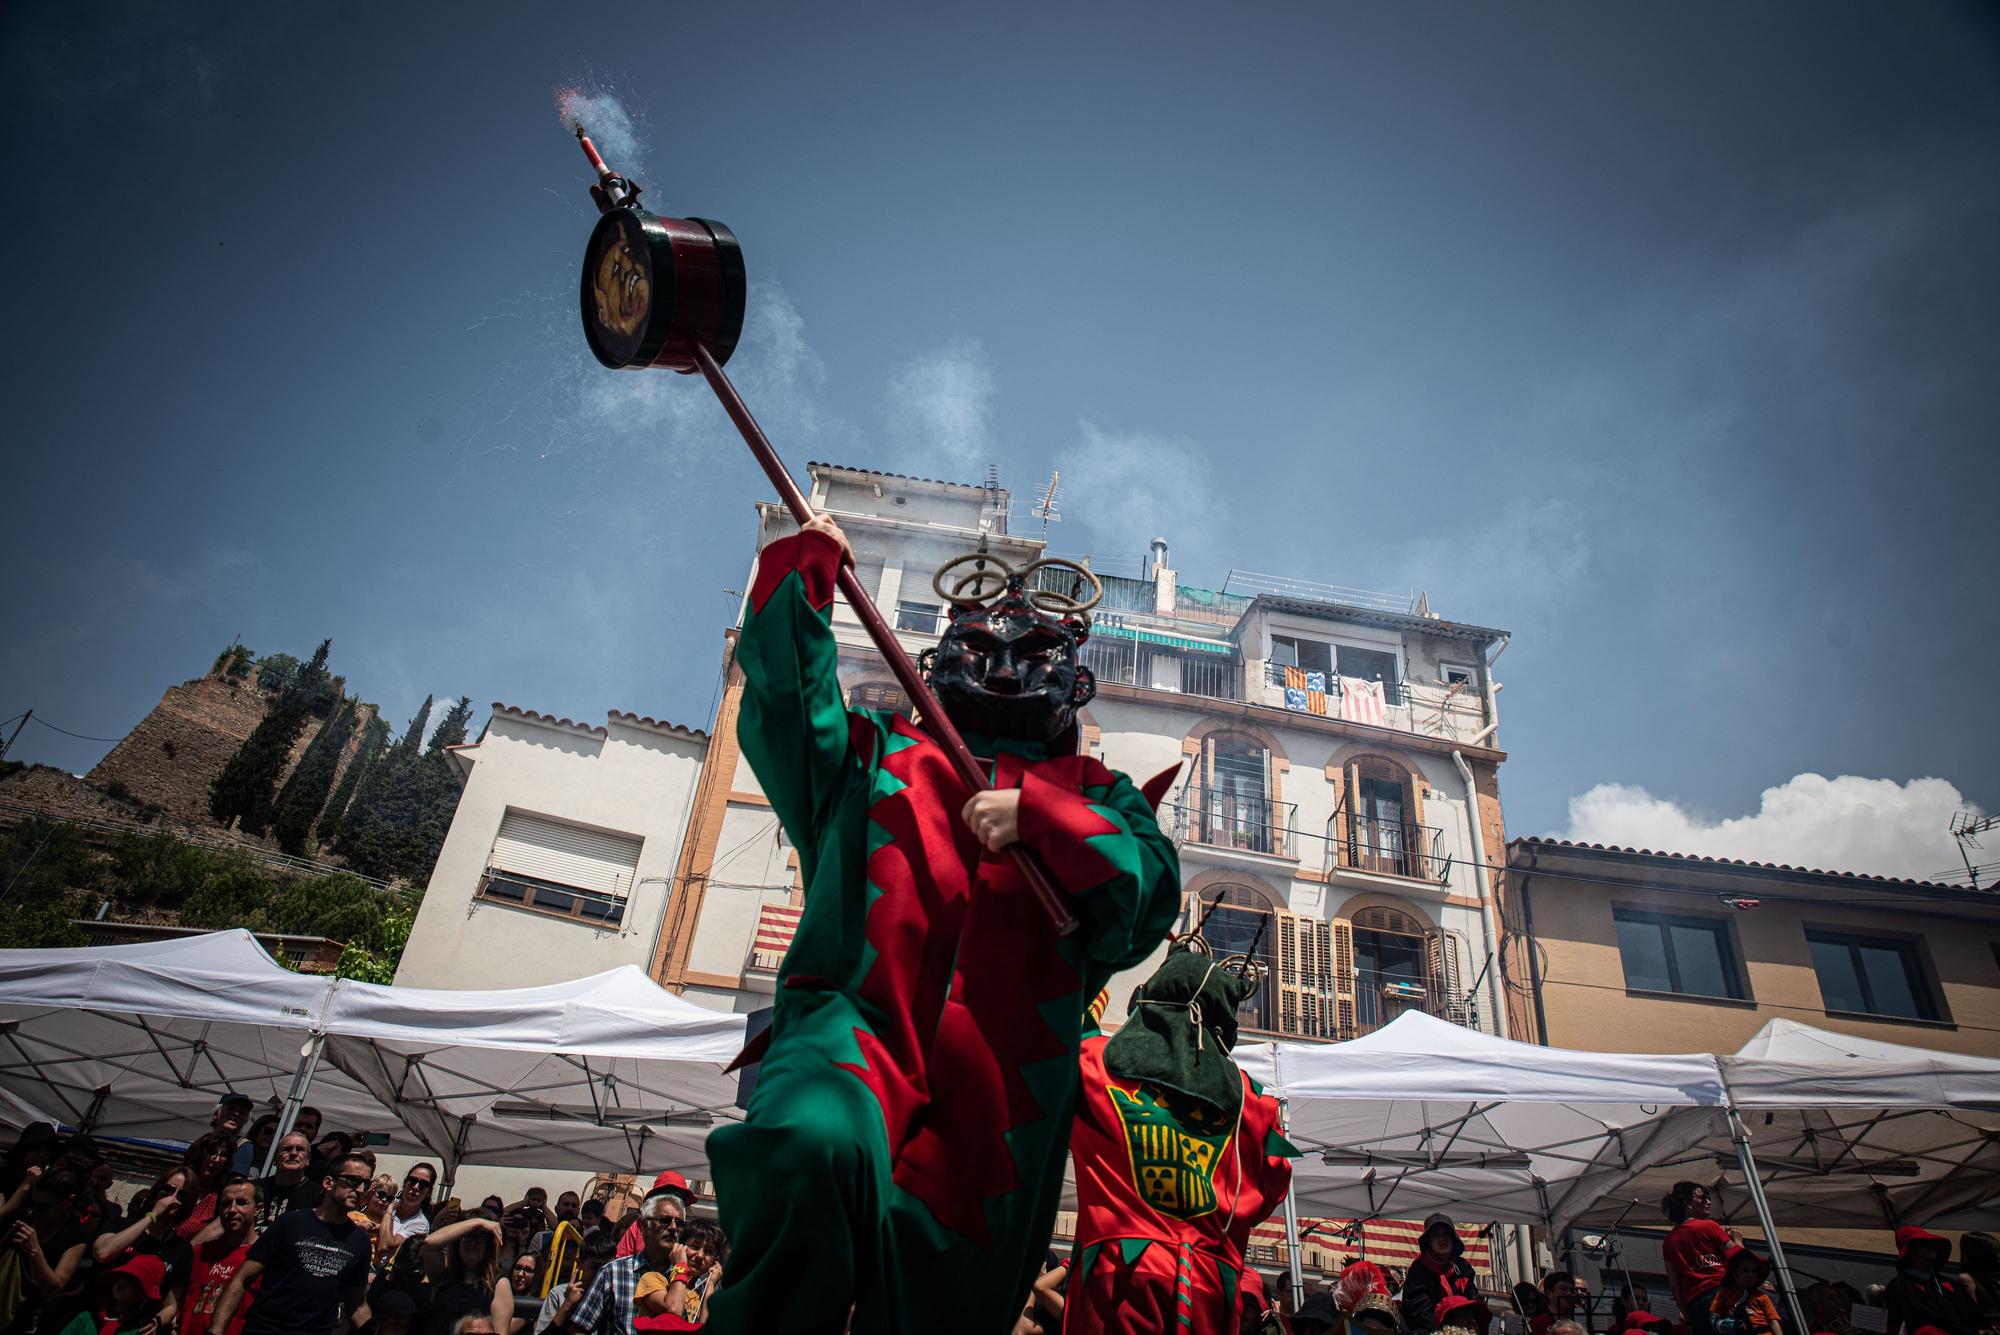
907, 477
1543, 842
550, 719
662, 725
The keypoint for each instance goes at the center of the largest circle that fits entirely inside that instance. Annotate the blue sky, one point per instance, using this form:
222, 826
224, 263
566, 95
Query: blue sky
1662, 336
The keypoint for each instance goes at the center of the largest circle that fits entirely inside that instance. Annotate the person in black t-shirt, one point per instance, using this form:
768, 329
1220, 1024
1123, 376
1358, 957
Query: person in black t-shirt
313, 1263
290, 1185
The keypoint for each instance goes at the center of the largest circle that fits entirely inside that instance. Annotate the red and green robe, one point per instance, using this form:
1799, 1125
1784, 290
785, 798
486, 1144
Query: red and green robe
1168, 1191
904, 1146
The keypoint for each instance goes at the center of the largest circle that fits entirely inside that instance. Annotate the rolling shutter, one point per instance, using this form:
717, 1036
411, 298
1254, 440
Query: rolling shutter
553, 850
1343, 979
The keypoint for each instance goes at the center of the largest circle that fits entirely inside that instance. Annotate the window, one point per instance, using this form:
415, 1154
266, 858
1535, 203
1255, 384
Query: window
1230, 794
1871, 976
886, 696
921, 618
1313, 656
1368, 664
1665, 953
1236, 920
554, 867
1455, 674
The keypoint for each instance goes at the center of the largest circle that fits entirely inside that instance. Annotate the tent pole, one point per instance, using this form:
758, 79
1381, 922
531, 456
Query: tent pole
1755, 1186
1293, 1261
295, 1097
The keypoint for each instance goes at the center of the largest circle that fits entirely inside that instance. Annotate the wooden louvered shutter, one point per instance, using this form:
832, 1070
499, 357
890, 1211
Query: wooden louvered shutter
1342, 991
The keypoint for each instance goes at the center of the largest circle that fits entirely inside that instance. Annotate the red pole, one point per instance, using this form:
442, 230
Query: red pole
932, 715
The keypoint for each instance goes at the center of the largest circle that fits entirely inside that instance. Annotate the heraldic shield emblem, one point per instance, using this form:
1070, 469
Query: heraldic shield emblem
1175, 1145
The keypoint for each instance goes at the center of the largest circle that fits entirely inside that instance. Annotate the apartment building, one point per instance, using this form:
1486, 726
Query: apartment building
561, 852
1338, 768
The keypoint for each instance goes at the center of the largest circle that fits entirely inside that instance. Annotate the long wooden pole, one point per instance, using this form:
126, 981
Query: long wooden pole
931, 715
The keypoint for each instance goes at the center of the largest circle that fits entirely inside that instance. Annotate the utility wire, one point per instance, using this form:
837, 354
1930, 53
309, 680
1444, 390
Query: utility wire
67, 733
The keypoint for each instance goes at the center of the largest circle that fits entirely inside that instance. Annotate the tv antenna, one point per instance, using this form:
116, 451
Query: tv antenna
1966, 829
1048, 504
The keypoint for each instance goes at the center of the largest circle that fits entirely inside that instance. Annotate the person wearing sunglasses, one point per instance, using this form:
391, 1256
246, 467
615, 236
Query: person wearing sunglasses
409, 1216
313, 1264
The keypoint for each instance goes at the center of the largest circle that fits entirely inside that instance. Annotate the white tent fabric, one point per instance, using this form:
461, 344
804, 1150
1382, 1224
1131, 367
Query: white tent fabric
140, 1040
611, 1070
1848, 1133
1423, 1114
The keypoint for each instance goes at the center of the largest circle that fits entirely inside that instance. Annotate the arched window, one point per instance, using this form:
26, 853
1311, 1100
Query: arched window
1392, 966
1380, 832
1233, 793
1237, 920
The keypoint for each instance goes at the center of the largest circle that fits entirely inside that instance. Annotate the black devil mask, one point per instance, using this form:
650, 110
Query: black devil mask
1010, 662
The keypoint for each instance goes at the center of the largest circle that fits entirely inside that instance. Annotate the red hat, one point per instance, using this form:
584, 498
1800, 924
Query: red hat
1358, 1281
675, 1183
149, 1272
1645, 1321
1250, 1291
1910, 1233
1738, 1252
1461, 1311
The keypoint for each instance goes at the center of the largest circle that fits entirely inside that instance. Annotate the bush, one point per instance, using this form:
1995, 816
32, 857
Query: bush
236, 893
40, 928
345, 908
158, 870
118, 791
374, 960
46, 864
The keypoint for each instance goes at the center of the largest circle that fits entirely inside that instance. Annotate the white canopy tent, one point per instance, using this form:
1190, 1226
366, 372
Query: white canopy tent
610, 1071
1848, 1133
1423, 1114
140, 1040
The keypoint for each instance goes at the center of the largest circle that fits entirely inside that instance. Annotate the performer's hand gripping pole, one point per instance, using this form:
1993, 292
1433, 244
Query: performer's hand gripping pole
930, 713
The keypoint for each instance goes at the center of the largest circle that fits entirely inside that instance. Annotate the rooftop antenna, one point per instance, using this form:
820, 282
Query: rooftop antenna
1048, 504
1966, 829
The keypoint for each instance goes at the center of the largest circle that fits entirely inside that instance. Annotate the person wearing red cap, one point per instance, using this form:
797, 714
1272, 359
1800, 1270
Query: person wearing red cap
1461, 1313
1737, 1305
634, 1240
129, 1297
1920, 1295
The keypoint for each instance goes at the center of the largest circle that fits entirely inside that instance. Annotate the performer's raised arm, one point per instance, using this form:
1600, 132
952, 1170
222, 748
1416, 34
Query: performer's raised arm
793, 725
1102, 839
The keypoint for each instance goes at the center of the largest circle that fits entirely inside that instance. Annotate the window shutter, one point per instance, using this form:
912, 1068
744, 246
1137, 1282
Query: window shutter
571, 855
1344, 1025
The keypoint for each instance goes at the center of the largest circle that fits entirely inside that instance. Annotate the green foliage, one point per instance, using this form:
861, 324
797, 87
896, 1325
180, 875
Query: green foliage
157, 870
44, 864
374, 959
452, 728
235, 660
299, 801
402, 810
276, 672
340, 906
245, 790
40, 928
413, 736
374, 738
235, 892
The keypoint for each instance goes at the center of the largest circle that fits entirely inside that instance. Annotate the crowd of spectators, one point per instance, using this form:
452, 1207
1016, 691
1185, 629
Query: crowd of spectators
256, 1233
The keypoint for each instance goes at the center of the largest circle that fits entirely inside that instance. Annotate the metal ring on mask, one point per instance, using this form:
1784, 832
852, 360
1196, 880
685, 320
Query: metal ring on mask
972, 589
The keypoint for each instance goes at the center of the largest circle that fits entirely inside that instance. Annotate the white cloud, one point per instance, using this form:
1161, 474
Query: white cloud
1121, 489
941, 407
1846, 823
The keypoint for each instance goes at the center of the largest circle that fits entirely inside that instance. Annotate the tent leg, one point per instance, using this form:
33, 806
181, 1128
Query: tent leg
295, 1097
1755, 1186
1293, 1262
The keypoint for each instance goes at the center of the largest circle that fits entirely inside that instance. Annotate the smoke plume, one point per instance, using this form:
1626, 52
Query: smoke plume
609, 125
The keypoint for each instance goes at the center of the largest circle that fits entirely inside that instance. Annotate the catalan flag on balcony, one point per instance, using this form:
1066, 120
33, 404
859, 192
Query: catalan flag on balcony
1361, 701
1295, 680
1306, 701
777, 924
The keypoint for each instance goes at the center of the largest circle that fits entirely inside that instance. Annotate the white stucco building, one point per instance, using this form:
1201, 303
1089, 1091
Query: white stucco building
1338, 782
562, 852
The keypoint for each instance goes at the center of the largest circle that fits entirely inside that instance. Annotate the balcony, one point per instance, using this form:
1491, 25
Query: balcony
1240, 821
1395, 694
1355, 842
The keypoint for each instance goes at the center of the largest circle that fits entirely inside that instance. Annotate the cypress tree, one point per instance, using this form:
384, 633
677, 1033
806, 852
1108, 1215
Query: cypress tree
452, 728
374, 738
300, 800
401, 813
245, 790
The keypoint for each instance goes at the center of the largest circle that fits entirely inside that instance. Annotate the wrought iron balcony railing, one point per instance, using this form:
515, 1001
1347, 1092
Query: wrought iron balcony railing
1222, 819
1389, 847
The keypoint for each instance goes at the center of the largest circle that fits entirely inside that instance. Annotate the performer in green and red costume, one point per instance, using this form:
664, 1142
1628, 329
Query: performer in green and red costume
904, 1146
1178, 1157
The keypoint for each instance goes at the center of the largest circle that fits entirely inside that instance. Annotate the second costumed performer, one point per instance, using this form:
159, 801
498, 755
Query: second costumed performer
904, 1146
1178, 1157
